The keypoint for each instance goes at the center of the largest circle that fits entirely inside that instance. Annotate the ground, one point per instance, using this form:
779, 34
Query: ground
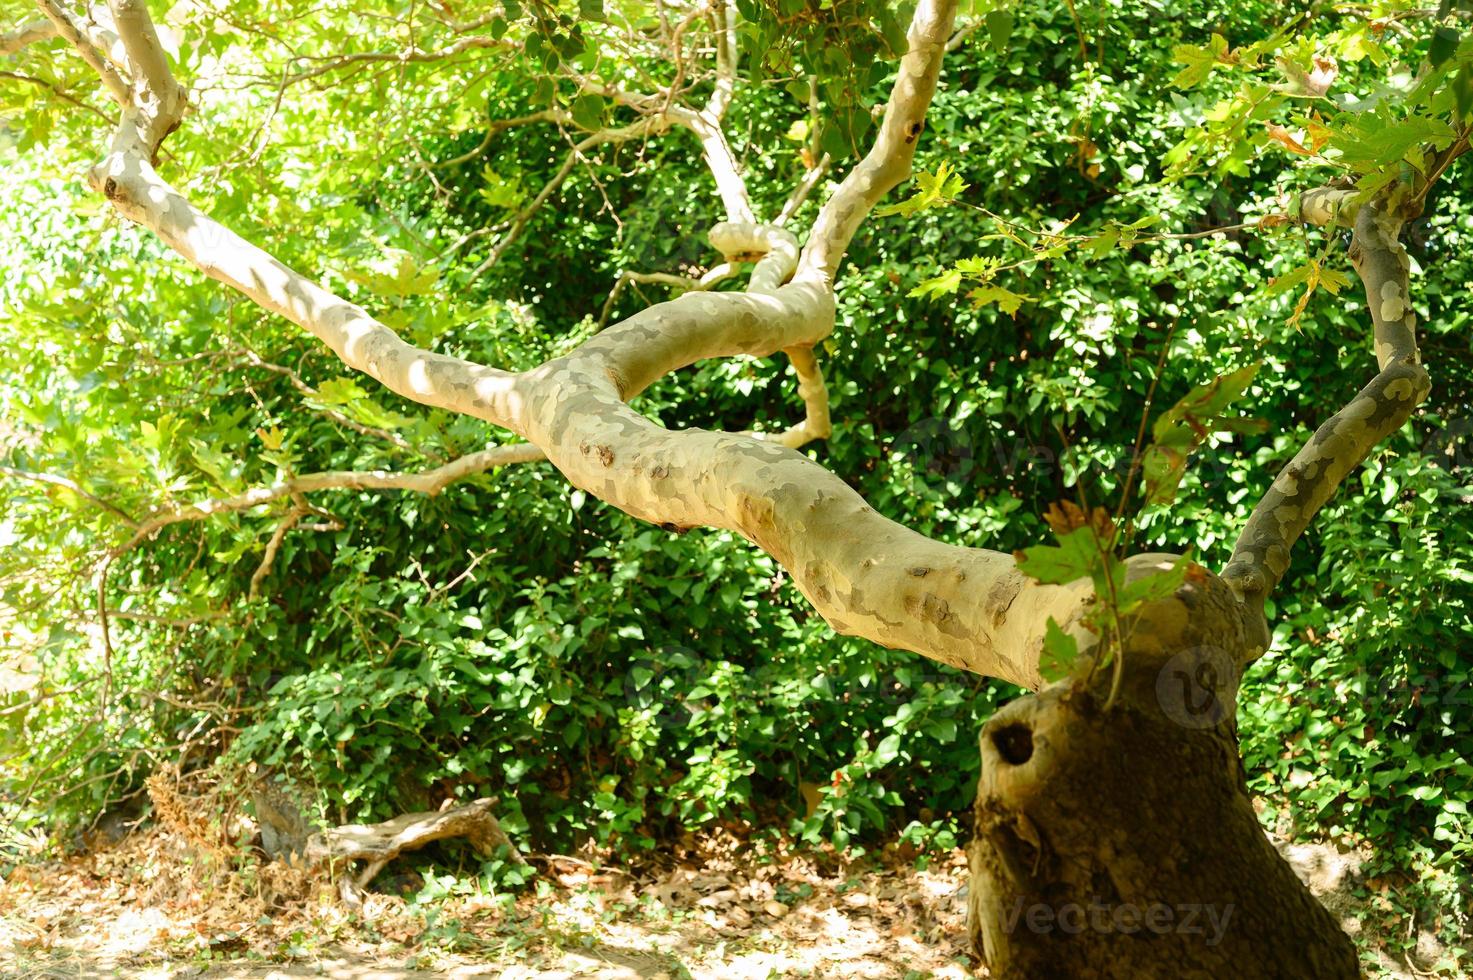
153, 906
147, 908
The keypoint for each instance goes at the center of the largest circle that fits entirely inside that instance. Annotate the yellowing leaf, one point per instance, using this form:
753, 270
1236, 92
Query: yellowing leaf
1286, 139
1333, 281
271, 438
1006, 300
1200, 61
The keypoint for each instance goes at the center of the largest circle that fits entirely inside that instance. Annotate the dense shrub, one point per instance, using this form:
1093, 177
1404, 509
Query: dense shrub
613, 681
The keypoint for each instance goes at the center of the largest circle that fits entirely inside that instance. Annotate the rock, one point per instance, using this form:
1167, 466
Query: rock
716, 900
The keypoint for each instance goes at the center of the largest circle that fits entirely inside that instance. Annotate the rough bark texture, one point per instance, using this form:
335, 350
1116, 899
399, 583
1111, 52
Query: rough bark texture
1124, 844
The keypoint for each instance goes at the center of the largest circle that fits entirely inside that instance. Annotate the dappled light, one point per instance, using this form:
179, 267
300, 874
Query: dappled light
728, 488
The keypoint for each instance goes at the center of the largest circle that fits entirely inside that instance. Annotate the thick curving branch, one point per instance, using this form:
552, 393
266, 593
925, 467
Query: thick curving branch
1261, 555
26, 34
867, 575
661, 111
815, 395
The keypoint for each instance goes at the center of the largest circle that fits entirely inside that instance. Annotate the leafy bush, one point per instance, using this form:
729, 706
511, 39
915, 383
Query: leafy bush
617, 682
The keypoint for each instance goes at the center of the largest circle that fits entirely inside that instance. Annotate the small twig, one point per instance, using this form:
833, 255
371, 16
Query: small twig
61, 94
52, 479
269, 558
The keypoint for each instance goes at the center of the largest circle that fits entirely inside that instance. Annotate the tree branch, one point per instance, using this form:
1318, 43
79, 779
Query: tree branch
800, 192
889, 160
52, 479
26, 34
75, 35
288, 522
60, 94
867, 575
430, 482
815, 395
1261, 555
407, 56
157, 98
498, 125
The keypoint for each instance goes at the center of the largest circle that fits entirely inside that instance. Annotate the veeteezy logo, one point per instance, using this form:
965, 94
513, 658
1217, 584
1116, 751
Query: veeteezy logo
1072, 918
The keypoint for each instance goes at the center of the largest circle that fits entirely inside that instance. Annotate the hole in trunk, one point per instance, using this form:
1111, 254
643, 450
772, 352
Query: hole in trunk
1014, 743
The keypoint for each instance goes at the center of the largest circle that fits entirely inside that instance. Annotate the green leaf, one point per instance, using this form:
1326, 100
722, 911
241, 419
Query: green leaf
935, 190
1104, 243
1183, 428
937, 286
1294, 277
1444, 45
588, 111
1152, 587
1078, 555
1199, 61
1371, 140
340, 391
499, 191
887, 750
1007, 300
1060, 651
999, 29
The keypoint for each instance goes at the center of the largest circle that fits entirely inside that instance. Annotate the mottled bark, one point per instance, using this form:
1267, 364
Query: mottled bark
1261, 556
867, 575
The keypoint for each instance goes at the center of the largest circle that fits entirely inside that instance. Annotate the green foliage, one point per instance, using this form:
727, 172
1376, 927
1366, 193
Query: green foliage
613, 681
1186, 427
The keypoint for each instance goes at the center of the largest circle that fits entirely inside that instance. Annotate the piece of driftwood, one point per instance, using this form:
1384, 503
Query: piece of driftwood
380, 843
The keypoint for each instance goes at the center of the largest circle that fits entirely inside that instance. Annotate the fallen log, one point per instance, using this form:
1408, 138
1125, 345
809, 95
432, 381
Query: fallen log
380, 843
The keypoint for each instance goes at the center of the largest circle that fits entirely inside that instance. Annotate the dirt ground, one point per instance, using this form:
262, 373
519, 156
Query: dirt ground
149, 908
152, 906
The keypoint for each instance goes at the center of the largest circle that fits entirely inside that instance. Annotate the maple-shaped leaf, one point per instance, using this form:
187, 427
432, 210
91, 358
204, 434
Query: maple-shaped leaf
1006, 300
935, 190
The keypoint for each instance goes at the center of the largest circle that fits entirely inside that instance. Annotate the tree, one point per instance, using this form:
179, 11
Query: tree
1135, 660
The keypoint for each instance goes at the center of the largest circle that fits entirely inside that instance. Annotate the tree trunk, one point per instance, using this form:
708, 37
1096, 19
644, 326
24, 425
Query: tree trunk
1124, 843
